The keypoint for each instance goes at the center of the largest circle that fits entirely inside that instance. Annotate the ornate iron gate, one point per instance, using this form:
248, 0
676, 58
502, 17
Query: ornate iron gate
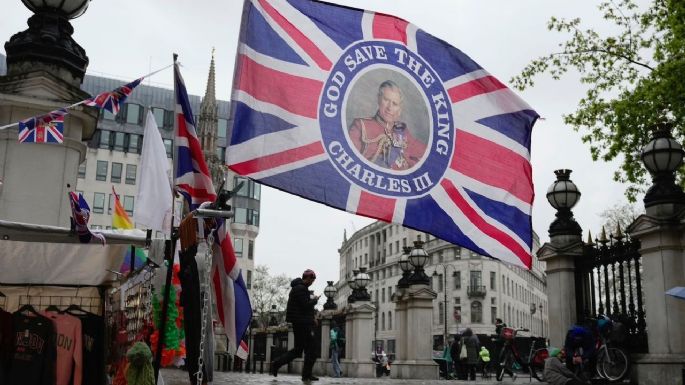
609, 282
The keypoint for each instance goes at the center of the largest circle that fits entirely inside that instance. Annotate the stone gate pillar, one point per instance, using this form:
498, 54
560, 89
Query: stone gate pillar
414, 354
560, 253
359, 334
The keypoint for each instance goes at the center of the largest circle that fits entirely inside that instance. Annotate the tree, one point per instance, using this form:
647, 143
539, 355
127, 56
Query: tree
268, 290
620, 214
634, 77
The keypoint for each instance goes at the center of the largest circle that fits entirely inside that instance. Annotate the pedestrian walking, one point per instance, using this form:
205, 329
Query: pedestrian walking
337, 339
472, 346
300, 313
485, 361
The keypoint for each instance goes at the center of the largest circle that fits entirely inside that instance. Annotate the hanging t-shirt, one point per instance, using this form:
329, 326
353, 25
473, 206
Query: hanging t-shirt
93, 332
33, 360
6, 344
69, 362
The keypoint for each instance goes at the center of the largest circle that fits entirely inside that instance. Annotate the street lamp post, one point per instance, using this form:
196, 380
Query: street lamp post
418, 258
542, 322
662, 156
445, 267
329, 292
533, 308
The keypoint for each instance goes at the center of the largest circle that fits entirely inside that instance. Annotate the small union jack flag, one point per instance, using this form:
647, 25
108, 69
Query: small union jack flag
48, 128
112, 101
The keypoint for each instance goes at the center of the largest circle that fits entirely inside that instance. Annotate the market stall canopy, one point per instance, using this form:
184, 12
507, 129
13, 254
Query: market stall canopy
50, 255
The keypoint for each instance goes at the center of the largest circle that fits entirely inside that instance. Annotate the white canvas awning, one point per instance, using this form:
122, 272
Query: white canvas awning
36, 254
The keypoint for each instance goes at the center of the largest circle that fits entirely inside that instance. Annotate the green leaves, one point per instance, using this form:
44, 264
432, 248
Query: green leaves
635, 79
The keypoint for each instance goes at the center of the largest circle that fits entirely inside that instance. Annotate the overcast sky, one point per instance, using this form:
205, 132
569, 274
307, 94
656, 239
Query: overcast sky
127, 38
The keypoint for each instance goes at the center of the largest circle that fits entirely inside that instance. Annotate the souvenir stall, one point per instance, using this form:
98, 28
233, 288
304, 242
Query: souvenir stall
67, 313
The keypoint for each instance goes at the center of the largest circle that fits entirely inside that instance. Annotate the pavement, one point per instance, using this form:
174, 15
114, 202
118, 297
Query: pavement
179, 377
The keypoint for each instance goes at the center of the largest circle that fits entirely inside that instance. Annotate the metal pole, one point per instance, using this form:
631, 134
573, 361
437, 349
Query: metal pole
444, 303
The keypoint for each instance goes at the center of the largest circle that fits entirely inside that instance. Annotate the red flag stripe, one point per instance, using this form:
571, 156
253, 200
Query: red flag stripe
493, 164
488, 229
475, 87
218, 295
278, 159
228, 253
292, 93
376, 207
389, 28
303, 41
193, 143
197, 193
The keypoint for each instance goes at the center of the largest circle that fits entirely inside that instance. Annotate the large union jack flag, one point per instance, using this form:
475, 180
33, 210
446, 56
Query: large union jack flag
48, 128
192, 175
365, 112
113, 100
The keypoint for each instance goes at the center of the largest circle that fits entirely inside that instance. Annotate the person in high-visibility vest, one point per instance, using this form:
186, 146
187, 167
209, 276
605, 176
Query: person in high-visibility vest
485, 361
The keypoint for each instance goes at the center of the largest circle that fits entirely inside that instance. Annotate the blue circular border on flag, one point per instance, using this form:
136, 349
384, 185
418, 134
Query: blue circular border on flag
418, 180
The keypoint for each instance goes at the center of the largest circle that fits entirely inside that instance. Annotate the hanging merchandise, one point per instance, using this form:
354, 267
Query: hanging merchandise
5, 344
140, 371
33, 360
174, 335
68, 338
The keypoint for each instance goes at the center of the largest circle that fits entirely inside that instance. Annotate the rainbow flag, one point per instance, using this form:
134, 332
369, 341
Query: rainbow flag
120, 219
140, 260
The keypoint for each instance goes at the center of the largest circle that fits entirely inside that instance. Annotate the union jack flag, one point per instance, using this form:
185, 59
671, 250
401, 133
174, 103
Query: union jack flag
80, 215
192, 175
365, 112
113, 100
230, 291
48, 128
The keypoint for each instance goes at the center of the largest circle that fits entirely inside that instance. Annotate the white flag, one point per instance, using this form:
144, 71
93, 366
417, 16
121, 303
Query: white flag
154, 188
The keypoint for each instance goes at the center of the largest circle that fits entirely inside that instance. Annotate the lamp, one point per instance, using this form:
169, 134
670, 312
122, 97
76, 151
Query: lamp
405, 266
353, 285
330, 292
48, 40
563, 194
418, 258
662, 156
273, 316
362, 280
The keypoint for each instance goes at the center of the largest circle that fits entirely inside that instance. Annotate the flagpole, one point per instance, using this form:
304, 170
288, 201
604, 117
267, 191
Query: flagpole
169, 250
83, 101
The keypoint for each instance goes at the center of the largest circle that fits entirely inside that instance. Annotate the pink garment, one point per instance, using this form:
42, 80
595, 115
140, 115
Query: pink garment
69, 348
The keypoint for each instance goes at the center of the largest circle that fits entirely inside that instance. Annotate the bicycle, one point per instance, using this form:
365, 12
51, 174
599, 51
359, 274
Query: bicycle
535, 363
610, 363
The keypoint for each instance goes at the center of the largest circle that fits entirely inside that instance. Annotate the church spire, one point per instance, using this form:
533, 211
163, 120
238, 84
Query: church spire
208, 126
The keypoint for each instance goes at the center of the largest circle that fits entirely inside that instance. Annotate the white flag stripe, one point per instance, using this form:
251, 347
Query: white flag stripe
483, 241
367, 25
353, 199
502, 101
314, 73
272, 109
324, 43
411, 37
288, 167
494, 136
490, 192
284, 35
465, 78
400, 209
492, 221
273, 143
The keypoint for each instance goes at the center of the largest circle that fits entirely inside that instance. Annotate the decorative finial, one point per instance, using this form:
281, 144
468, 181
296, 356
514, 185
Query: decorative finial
619, 234
603, 237
589, 238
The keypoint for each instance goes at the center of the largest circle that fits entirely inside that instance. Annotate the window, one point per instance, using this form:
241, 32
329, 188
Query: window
101, 170
457, 253
131, 173
104, 139
82, 169
169, 146
163, 118
250, 188
476, 278
440, 288
116, 172
389, 322
382, 321
222, 128
441, 313
119, 141
110, 206
493, 315
476, 312
221, 152
128, 204
99, 203
238, 247
108, 115
474, 255
492, 300
249, 280
134, 113
250, 249
383, 295
133, 143
457, 280
493, 280
457, 313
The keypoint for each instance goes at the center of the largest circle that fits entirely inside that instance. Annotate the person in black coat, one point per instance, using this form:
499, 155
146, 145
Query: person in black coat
300, 313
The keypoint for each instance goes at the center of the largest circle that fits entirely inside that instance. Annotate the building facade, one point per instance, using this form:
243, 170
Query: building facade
113, 157
473, 290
